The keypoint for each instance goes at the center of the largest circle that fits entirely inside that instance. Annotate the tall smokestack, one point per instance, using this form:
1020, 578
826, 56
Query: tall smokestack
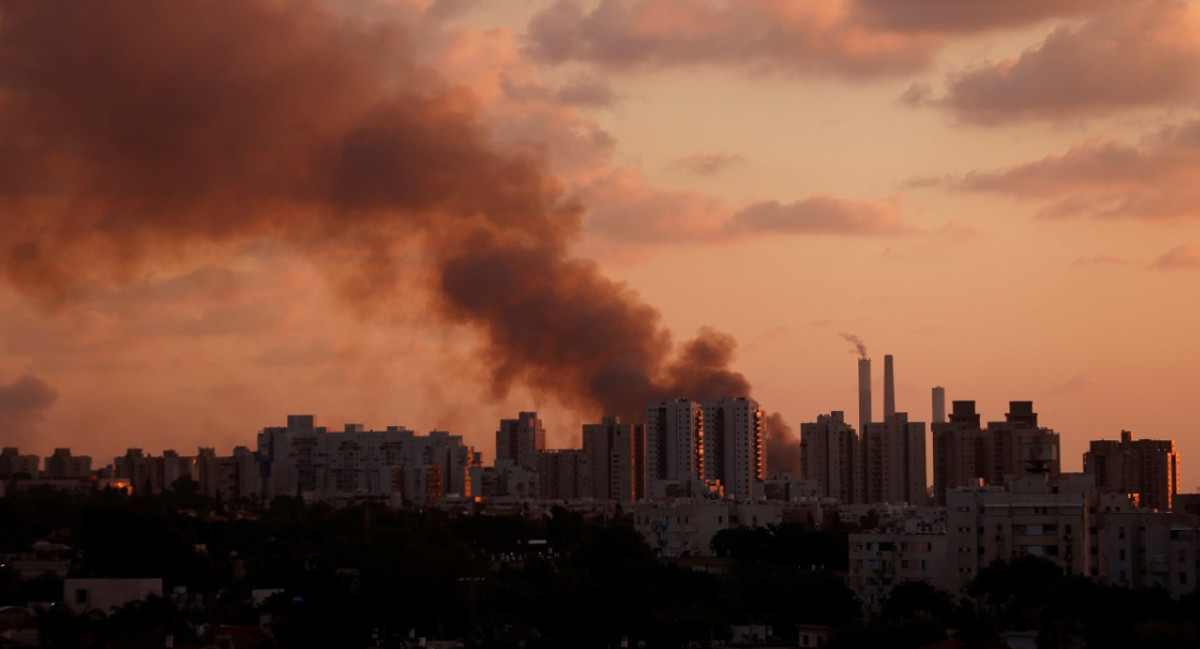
864, 393
939, 405
889, 389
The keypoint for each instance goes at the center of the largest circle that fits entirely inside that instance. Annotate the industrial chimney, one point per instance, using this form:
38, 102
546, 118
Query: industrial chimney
939, 405
889, 389
864, 393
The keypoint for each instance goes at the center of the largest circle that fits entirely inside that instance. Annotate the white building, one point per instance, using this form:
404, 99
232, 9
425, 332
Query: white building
396, 463
685, 528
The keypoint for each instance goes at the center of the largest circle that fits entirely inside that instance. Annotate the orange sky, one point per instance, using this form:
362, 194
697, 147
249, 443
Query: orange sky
1005, 200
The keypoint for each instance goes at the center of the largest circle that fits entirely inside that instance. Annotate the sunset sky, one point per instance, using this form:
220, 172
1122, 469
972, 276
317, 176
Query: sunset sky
435, 214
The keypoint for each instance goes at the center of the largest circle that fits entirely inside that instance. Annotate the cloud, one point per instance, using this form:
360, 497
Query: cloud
23, 405
777, 35
1182, 257
822, 214
587, 92
846, 38
956, 16
1154, 179
708, 163
1076, 384
625, 208
1139, 53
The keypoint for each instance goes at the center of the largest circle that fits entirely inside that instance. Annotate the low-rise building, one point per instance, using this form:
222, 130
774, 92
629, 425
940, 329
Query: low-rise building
105, 594
685, 528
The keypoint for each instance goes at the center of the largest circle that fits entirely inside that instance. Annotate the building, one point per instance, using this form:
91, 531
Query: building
1145, 469
1150, 549
616, 457
232, 477
674, 444
521, 440
564, 475
881, 561
686, 528
893, 454
732, 445
148, 474
13, 464
1032, 514
105, 594
1018, 443
828, 455
965, 454
396, 464
62, 465
961, 451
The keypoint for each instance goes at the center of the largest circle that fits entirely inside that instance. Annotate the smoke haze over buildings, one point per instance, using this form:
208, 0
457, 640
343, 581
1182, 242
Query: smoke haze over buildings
23, 403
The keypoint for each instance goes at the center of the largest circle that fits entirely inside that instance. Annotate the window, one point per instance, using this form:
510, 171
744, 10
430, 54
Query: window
81, 596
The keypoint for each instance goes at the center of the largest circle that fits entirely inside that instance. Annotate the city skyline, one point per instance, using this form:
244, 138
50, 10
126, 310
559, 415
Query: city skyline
784, 173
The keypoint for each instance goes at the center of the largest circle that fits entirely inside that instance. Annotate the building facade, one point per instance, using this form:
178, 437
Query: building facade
1146, 469
616, 457
674, 443
828, 452
732, 445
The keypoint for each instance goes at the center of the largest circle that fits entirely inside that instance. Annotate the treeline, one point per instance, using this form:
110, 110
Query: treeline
371, 576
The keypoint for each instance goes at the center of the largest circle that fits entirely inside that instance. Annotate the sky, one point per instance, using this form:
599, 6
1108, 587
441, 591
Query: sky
439, 213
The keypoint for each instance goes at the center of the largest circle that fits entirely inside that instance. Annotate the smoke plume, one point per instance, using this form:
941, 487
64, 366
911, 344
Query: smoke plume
783, 449
136, 132
23, 404
858, 344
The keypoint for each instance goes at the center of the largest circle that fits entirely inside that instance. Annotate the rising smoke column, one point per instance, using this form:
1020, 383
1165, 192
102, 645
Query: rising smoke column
859, 345
134, 132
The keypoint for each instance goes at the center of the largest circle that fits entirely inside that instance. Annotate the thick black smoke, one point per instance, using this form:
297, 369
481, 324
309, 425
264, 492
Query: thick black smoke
783, 448
133, 131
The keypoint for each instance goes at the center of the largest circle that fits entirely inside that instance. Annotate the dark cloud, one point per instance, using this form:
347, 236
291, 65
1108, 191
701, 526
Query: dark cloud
1182, 257
848, 38
709, 163
138, 132
1154, 179
587, 92
1141, 53
23, 405
956, 16
770, 34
